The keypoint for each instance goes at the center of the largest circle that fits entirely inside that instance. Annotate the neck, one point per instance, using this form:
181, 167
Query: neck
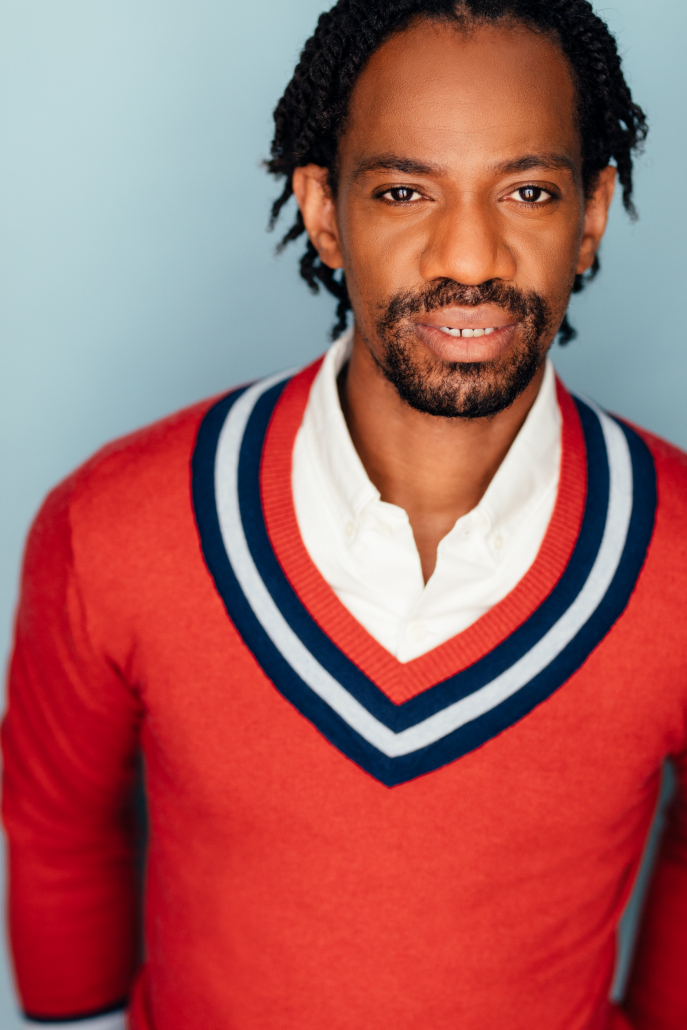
436, 469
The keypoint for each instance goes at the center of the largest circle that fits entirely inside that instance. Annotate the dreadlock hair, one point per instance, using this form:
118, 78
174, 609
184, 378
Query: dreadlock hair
310, 117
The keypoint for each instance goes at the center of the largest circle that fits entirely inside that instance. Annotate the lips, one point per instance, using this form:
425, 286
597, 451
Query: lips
469, 343
468, 322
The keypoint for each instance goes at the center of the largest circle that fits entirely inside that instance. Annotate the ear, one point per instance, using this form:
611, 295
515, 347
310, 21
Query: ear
595, 218
311, 189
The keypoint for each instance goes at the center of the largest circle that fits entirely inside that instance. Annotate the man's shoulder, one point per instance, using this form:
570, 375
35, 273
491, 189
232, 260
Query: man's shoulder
147, 455
139, 480
670, 463
669, 460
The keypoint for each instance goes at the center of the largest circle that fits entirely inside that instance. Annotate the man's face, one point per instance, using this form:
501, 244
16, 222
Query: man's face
460, 207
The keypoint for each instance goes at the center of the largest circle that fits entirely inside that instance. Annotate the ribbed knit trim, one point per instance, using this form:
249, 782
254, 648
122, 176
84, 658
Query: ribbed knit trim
401, 681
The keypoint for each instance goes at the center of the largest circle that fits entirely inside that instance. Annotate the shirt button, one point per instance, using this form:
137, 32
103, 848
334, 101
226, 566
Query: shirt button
384, 528
417, 632
498, 542
350, 528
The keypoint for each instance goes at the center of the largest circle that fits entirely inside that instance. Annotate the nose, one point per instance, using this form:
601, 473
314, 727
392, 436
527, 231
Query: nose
465, 243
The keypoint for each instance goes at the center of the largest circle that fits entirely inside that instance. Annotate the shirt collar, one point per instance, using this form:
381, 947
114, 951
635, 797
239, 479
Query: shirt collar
345, 473
531, 466
525, 476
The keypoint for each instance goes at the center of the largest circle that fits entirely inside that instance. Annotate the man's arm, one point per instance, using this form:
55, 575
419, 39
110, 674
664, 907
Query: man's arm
70, 743
657, 988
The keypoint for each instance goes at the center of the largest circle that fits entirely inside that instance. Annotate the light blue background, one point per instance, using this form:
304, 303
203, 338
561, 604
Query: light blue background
136, 275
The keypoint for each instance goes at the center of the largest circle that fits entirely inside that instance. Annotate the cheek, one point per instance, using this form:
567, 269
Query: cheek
546, 256
380, 258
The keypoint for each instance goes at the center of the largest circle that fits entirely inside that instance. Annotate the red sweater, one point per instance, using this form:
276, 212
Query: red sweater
338, 840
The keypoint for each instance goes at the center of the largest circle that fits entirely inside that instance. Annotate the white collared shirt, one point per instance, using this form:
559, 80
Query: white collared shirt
365, 549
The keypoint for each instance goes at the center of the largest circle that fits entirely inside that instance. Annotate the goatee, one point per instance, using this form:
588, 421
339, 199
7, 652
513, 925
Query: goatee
461, 389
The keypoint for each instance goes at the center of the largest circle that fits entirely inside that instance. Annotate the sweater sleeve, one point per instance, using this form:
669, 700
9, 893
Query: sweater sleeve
70, 742
112, 1021
657, 988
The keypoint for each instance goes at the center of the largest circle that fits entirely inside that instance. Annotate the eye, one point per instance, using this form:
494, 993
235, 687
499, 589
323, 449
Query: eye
401, 194
530, 195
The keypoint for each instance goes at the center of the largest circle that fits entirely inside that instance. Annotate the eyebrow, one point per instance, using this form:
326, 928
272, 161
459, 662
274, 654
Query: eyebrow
392, 163
551, 161
396, 163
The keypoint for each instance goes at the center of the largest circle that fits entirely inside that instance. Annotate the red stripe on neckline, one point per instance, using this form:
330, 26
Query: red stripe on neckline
397, 680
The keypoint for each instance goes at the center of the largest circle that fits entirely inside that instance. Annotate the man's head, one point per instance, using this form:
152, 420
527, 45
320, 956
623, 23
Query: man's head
453, 161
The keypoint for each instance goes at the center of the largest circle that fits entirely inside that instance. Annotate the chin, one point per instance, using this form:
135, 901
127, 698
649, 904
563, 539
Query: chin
480, 388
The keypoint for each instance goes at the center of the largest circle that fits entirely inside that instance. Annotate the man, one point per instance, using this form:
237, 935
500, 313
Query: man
400, 635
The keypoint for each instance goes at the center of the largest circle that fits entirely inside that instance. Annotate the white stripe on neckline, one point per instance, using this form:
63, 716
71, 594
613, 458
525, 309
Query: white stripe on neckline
323, 684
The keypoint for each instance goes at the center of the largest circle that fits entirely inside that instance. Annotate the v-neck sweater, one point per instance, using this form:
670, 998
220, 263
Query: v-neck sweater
365, 549
337, 839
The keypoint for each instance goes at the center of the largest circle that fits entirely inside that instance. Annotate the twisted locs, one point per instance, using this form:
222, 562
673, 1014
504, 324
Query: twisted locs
310, 117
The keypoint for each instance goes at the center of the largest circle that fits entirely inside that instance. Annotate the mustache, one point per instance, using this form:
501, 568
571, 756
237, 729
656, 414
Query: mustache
523, 307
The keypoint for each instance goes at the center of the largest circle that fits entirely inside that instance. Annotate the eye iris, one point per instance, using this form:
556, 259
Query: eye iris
401, 193
531, 194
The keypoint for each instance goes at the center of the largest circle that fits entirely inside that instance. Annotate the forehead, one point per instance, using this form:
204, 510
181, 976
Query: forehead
494, 90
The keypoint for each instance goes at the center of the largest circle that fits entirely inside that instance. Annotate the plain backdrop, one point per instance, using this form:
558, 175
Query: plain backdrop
136, 275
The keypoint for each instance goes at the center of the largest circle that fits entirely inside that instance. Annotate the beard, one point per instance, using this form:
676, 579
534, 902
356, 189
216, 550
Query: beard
460, 389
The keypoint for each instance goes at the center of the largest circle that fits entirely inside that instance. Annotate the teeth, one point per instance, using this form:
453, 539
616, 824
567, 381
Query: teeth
466, 333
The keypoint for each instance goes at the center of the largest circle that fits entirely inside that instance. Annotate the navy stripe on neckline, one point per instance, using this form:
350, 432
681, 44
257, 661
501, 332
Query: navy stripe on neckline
434, 700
